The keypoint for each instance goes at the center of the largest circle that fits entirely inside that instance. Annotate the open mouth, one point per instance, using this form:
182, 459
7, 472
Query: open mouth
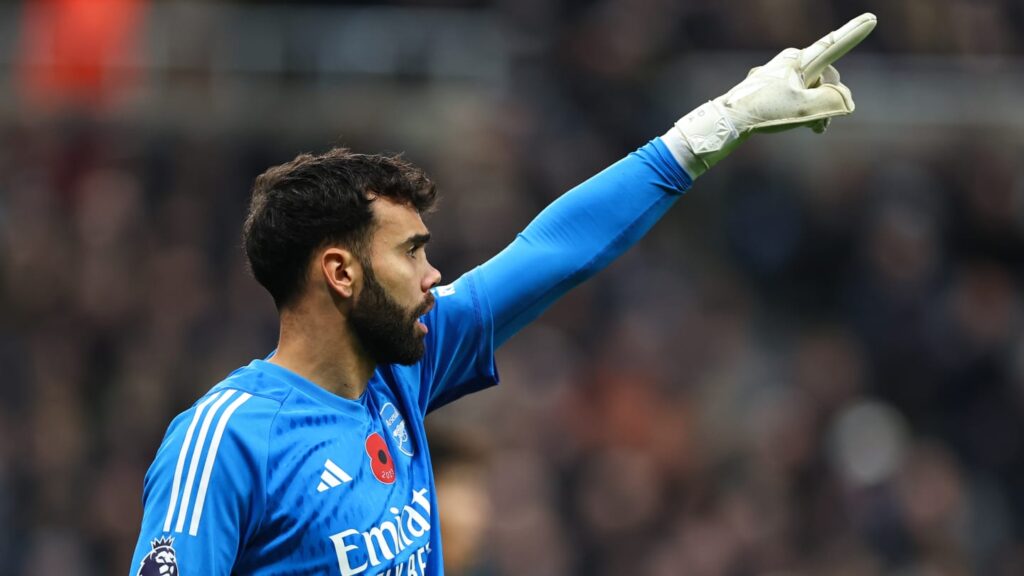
423, 311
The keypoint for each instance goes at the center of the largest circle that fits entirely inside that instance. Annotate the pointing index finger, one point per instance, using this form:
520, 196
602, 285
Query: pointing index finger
816, 57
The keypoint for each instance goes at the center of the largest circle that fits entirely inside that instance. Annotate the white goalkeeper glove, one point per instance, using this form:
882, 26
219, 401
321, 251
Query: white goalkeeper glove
796, 88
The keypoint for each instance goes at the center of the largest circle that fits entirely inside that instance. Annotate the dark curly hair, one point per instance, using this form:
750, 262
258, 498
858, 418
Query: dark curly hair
315, 200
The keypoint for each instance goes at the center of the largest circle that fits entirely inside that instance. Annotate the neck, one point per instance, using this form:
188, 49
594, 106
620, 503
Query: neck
320, 347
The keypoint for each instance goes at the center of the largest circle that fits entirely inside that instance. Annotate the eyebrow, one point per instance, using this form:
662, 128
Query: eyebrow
417, 240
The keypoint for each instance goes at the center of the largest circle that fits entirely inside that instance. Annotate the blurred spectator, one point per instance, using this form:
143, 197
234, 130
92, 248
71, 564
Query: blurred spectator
78, 52
460, 471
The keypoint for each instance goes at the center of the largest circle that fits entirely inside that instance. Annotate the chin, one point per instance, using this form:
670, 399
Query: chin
408, 360
410, 354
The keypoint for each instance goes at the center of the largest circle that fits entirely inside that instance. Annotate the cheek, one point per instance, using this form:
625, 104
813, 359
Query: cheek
401, 279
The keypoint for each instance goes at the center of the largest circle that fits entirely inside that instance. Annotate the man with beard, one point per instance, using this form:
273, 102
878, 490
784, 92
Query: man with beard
314, 461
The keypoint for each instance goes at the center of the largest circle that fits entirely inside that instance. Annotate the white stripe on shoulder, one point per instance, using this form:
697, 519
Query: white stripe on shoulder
181, 458
194, 465
204, 483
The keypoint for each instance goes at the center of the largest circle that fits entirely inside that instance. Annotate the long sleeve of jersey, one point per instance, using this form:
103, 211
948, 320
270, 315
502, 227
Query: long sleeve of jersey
568, 242
579, 234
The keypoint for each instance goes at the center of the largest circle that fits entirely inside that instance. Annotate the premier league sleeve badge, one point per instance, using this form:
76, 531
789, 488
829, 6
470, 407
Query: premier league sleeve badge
162, 560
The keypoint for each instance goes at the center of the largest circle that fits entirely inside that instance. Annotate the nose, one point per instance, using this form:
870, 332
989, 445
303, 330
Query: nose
433, 278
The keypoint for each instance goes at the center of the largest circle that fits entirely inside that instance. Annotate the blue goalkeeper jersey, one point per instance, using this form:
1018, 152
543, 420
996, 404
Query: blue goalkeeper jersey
270, 474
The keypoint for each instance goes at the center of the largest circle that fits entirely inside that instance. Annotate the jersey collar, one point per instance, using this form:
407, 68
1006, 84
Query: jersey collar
357, 408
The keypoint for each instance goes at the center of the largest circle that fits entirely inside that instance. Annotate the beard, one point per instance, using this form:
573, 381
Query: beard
386, 330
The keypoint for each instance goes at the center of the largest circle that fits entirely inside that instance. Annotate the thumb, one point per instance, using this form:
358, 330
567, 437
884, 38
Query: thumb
827, 100
806, 107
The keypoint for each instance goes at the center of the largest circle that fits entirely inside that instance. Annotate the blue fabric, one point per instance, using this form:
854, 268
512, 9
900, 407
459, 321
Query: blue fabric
270, 474
579, 234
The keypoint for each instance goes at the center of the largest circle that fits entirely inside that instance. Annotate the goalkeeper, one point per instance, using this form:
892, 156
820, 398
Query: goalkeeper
314, 461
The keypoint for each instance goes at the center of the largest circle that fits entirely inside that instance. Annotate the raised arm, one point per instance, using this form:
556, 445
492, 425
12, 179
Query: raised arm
585, 229
579, 234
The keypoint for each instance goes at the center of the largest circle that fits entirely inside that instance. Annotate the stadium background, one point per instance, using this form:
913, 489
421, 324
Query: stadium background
813, 366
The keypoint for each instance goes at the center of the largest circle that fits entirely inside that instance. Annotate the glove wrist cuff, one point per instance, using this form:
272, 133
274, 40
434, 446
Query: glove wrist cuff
707, 129
680, 149
702, 138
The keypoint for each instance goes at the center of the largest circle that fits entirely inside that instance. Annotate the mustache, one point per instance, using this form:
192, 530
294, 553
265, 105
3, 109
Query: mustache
428, 303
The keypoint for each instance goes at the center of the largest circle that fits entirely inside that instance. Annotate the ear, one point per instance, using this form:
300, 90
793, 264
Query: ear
341, 270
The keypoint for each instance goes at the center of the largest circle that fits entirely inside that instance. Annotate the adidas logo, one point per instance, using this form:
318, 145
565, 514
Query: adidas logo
332, 477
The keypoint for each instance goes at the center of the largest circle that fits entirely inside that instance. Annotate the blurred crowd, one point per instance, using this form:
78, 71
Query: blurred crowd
801, 371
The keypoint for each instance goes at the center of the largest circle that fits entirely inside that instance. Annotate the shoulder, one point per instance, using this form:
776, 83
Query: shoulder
464, 292
239, 403
231, 423
213, 458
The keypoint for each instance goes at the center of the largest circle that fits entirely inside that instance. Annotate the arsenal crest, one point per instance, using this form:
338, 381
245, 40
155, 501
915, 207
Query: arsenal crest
395, 424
